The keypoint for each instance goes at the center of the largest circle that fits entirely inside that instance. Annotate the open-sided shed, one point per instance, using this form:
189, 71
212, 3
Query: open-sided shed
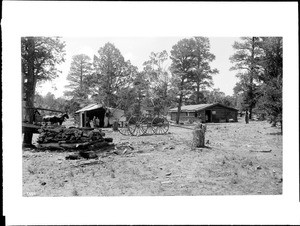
206, 112
98, 110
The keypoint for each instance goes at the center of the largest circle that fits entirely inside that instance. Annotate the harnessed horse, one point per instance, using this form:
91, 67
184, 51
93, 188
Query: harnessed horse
55, 119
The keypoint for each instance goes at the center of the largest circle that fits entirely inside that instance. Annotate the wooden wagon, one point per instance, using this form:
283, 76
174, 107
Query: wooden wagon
140, 124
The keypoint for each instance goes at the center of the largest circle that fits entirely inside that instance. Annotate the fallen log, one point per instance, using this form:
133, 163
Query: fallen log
88, 154
68, 145
78, 145
98, 145
52, 146
73, 157
261, 151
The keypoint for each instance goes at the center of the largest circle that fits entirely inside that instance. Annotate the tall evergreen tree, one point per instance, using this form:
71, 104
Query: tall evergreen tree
270, 90
40, 56
78, 77
182, 65
202, 73
112, 73
246, 61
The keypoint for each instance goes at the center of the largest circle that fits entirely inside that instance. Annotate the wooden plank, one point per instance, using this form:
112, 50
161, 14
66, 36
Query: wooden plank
44, 109
26, 127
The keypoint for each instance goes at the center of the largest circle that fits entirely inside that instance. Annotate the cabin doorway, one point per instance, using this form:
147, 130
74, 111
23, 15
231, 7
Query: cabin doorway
98, 113
208, 116
83, 120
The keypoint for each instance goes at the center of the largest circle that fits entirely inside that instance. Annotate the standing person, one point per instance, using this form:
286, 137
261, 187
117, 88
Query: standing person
87, 123
94, 121
199, 118
247, 117
97, 122
106, 118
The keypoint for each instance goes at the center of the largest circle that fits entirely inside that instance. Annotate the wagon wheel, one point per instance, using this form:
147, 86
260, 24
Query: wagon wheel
137, 125
123, 128
160, 125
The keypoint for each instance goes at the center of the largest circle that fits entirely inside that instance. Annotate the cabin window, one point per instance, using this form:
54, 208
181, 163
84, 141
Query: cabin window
213, 112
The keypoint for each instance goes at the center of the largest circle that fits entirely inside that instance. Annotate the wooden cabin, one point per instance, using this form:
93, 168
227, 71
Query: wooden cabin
206, 112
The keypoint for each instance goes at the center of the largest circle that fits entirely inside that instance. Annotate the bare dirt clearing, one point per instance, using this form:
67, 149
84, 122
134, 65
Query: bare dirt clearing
240, 159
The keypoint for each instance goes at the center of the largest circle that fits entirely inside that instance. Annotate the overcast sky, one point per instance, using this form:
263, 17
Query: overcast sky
138, 50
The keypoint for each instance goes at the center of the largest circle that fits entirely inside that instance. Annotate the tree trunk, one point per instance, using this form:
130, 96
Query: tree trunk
180, 100
179, 109
251, 78
199, 135
198, 93
29, 91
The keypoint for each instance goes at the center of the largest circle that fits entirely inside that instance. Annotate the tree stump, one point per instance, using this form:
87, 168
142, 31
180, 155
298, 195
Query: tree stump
199, 135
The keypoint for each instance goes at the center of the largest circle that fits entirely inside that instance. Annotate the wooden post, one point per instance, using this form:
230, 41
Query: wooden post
199, 135
115, 126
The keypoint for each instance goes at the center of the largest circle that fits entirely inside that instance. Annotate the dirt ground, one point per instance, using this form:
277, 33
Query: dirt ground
240, 159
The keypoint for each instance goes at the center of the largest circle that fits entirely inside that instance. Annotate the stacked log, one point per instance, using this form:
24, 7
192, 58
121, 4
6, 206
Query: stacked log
72, 138
71, 135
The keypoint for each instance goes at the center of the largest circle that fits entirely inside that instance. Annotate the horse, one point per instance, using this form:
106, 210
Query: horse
55, 119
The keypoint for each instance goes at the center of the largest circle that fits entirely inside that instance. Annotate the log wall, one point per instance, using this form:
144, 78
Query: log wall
222, 115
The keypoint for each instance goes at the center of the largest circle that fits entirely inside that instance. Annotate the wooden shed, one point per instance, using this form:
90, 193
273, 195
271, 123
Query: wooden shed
206, 112
98, 110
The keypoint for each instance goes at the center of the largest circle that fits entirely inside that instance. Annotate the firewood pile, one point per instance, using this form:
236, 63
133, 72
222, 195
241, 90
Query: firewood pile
71, 135
73, 139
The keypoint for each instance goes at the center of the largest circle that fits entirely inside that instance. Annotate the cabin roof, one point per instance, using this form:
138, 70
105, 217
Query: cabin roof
90, 107
199, 107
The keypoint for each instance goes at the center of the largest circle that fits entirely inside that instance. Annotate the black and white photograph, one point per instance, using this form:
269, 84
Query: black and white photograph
178, 122
122, 109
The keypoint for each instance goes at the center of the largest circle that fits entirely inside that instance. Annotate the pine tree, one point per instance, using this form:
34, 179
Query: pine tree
79, 76
202, 72
270, 90
183, 62
40, 56
112, 73
246, 60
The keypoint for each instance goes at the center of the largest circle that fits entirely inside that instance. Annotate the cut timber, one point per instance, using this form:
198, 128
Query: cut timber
68, 146
265, 151
199, 135
52, 146
88, 154
82, 145
99, 145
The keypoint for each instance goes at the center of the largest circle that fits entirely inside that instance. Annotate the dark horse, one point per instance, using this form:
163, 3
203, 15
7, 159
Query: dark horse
55, 119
